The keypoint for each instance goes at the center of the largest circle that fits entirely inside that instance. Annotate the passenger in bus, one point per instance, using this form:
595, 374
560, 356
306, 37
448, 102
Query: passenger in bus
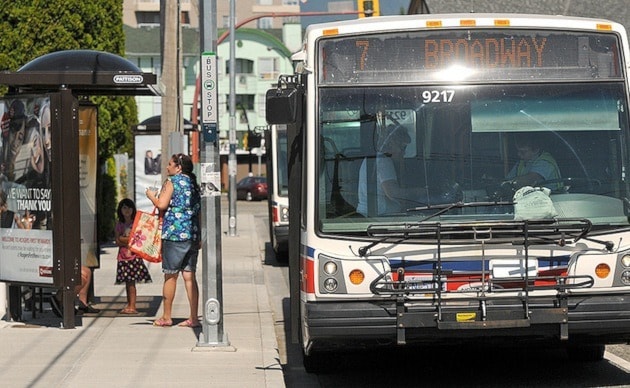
390, 196
534, 167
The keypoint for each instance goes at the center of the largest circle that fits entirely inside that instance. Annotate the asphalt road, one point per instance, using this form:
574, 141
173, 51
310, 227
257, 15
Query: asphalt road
515, 366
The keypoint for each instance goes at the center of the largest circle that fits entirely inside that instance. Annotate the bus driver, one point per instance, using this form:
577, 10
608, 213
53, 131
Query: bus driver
534, 167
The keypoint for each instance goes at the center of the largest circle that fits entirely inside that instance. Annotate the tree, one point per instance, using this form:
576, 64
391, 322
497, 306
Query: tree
32, 28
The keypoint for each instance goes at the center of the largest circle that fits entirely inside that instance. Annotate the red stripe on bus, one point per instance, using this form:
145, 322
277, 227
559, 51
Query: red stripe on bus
307, 283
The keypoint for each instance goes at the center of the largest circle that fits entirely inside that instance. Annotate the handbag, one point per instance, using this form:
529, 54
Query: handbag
145, 239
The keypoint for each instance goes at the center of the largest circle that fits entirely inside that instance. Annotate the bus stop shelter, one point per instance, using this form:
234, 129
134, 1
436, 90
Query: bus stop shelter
47, 91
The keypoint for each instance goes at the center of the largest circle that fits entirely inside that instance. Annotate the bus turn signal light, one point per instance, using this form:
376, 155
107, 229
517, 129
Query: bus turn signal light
602, 270
356, 276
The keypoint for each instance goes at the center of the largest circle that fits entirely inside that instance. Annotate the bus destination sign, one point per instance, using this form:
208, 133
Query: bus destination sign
481, 54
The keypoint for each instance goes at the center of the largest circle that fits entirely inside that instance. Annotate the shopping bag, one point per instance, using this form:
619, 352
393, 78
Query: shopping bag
533, 203
145, 239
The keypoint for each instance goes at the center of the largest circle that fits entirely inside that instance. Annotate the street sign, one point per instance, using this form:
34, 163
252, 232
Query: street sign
209, 96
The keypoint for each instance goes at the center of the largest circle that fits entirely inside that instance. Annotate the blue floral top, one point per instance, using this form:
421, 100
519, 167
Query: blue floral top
181, 220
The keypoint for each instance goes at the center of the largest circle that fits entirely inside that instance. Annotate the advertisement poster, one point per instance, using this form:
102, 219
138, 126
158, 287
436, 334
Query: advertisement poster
148, 162
25, 190
87, 184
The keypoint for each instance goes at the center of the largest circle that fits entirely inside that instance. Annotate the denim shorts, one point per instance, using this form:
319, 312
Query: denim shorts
179, 256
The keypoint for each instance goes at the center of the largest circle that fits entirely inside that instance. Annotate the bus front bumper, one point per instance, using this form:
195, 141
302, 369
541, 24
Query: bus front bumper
594, 319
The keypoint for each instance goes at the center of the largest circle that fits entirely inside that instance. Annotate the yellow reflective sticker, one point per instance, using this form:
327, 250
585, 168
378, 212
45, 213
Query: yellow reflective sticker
466, 317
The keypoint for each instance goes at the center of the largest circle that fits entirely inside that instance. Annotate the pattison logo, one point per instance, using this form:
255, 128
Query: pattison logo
128, 79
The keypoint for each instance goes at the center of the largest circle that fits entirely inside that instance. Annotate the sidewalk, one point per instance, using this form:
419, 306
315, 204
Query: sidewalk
109, 349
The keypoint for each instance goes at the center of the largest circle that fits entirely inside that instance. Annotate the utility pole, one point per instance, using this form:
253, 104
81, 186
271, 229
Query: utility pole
170, 119
212, 334
232, 129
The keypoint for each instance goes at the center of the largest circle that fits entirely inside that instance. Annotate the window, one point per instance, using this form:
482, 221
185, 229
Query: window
242, 101
184, 18
148, 17
243, 66
268, 68
261, 105
265, 23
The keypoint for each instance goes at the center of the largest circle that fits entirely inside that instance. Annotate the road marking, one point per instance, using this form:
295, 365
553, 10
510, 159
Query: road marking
618, 361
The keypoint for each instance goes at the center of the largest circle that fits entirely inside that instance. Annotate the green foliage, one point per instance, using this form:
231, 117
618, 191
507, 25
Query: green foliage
32, 28
123, 191
116, 115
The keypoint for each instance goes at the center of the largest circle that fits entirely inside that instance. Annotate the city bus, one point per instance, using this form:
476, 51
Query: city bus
458, 178
278, 190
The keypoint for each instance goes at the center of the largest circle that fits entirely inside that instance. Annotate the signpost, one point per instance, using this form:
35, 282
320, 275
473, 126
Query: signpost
212, 334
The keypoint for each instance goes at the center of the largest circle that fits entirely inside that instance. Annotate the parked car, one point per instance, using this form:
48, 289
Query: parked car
252, 188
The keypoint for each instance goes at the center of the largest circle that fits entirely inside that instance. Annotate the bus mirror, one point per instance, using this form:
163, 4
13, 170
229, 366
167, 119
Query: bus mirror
281, 107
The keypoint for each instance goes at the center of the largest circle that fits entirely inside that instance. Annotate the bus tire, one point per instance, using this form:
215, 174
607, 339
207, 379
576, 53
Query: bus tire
282, 252
586, 353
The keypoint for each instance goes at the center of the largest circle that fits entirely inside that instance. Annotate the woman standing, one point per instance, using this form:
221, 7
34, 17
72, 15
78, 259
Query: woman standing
179, 202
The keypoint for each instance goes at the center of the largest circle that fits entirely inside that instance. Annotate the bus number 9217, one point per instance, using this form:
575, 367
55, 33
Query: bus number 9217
458, 178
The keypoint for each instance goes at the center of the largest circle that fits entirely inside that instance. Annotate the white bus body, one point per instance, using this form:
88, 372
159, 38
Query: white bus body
461, 251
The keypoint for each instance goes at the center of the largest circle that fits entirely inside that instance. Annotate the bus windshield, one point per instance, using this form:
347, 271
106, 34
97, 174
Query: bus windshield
403, 152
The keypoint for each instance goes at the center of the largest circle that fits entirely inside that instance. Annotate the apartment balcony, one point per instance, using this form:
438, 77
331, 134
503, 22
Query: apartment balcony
154, 5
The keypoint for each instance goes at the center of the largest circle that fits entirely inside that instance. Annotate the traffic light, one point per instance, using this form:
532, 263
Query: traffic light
368, 8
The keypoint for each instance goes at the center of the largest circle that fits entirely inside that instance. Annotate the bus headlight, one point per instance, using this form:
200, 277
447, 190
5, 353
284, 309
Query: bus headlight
330, 284
625, 260
330, 275
625, 277
330, 268
284, 214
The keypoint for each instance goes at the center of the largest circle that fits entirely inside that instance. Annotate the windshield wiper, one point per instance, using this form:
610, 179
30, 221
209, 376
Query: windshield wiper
445, 208
365, 118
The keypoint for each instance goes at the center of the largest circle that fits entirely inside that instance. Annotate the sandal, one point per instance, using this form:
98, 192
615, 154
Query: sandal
161, 322
189, 323
128, 311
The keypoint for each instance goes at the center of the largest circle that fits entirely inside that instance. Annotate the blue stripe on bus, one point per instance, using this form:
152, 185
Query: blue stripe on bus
472, 265
309, 251
461, 265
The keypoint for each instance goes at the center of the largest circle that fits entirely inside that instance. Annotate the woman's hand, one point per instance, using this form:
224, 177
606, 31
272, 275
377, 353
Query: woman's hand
164, 198
25, 222
151, 192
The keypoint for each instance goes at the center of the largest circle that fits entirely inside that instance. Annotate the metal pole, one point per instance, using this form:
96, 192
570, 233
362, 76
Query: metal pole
232, 134
212, 281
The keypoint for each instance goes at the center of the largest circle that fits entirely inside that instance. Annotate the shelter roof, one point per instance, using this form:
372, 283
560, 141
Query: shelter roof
85, 72
154, 124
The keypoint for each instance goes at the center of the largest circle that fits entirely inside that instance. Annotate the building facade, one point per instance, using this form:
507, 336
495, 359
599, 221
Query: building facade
262, 54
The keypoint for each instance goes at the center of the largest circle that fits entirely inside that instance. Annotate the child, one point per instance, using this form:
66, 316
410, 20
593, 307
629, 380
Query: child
130, 268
